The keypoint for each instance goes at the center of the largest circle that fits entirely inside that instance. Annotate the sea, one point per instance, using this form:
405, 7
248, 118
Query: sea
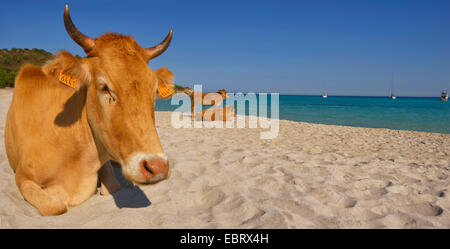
426, 114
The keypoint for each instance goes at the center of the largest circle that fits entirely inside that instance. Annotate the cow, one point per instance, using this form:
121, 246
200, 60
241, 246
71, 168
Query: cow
221, 92
72, 115
212, 114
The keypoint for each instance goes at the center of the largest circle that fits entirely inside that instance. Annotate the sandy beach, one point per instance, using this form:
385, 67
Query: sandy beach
310, 176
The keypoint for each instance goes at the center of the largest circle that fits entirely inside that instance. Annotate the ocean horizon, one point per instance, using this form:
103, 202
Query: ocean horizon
426, 114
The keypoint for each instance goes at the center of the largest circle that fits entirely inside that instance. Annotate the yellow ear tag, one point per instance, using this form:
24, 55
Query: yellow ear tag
165, 91
67, 80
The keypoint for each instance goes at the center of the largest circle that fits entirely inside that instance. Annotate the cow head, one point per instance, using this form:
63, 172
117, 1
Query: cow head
222, 93
120, 97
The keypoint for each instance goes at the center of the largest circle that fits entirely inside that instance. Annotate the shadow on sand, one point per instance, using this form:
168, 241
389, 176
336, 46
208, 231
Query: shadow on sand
129, 196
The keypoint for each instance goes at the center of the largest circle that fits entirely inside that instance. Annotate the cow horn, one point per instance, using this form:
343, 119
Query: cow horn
160, 48
85, 42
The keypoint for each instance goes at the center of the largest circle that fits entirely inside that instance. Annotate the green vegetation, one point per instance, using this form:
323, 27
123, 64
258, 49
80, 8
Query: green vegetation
12, 60
179, 88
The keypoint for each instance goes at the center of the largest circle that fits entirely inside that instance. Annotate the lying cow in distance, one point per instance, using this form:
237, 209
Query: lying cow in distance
211, 114
202, 101
71, 116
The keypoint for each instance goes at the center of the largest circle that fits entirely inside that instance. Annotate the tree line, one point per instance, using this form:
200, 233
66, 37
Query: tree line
11, 61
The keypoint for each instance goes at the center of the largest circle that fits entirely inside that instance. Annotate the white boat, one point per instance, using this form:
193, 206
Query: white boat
324, 95
392, 86
444, 96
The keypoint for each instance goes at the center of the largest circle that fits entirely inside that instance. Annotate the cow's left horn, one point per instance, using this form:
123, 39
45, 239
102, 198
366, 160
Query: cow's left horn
160, 48
85, 42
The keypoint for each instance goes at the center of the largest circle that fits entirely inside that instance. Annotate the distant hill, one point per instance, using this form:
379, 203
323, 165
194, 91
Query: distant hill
12, 60
187, 90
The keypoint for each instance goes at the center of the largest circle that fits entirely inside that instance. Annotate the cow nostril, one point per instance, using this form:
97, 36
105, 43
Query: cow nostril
153, 169
147, 167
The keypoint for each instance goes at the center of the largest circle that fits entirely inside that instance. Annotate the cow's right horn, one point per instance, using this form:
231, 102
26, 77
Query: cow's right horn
85, 42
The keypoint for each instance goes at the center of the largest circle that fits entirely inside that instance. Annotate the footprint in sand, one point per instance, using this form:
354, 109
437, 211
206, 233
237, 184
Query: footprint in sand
192, 202
373, 192
398, 189
303, 185
327, 196
218, 153
199, 184
425, 209
249, 160
211, 198
365, 184
399, 220
404, 220
364, 214
237, 212
272, 217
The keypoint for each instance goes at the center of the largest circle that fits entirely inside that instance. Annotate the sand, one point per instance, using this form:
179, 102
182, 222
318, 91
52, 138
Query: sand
310, 176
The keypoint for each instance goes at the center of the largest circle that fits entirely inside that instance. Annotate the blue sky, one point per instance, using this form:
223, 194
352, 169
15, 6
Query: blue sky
290, 47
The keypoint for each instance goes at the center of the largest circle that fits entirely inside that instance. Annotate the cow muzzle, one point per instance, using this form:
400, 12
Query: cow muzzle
146, 168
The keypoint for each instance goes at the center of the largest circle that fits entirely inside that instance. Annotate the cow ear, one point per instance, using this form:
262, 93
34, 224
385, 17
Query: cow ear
67, 70
165, 83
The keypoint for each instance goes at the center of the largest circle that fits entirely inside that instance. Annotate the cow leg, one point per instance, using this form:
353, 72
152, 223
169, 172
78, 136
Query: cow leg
109, 183
47, 204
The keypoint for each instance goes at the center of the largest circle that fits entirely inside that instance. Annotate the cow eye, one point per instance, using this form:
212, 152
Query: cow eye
105, 88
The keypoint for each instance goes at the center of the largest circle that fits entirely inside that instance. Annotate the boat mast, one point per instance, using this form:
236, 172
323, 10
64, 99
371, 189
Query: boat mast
392, 83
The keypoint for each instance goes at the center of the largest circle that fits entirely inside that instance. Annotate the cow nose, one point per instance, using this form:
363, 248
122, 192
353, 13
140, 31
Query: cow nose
154, 170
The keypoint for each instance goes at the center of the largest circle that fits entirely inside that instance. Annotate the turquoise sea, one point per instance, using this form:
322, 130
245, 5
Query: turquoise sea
404, 113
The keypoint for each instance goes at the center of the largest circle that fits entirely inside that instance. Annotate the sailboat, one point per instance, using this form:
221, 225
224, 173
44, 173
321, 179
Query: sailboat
392, 86
444, 96
324, 95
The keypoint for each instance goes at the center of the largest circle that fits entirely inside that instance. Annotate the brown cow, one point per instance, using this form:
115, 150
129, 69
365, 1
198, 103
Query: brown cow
58, 137
221, 92
211, 114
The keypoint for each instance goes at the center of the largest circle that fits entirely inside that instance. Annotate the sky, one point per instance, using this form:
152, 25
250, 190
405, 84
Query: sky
288, 47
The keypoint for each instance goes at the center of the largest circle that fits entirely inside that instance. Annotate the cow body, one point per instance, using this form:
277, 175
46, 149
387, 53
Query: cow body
207, 99
212, 114
57, 138
48, 139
